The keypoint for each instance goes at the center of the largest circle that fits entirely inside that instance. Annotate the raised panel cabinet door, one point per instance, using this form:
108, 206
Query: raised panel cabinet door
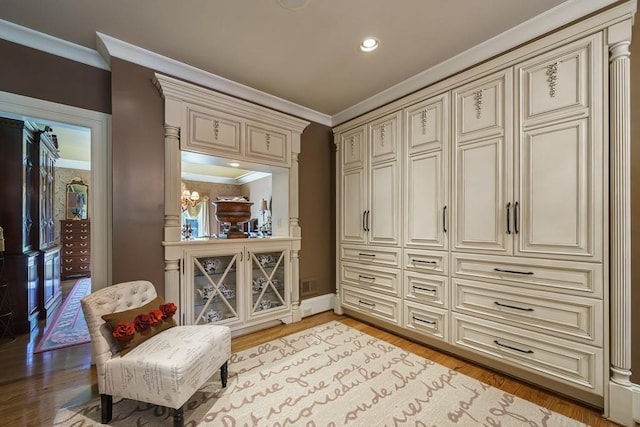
560, 193
482, 198
427, 124
426, 195
266, 144
385, 135
353, 202
483, 108
383, 220
353, 145
558, 83
212, 132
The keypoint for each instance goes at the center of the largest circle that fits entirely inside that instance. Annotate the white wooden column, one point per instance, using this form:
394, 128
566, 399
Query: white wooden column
620, 386
294, 228
172, 254
337, 307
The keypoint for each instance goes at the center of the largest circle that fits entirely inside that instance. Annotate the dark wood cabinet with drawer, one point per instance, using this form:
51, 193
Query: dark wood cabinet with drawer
75, 239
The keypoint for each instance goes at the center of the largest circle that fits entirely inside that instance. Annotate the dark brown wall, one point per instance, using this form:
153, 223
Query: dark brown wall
29, 72
138, 175
317, 212
635, 203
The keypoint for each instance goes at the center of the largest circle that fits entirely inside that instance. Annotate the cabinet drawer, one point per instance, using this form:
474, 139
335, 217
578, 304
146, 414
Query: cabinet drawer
425, 320
371, 255
75, 225
378, 306
75, 246
557, 83
378, 279
426, 288
434, 262
567, 277
572, 363
212, 132
75, 237
575, 318
268, 144
76, 269
68, 252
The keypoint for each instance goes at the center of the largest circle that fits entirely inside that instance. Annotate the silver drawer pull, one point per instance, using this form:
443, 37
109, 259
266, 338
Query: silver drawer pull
369, 304
428, 322
420, 288
512, 306
513, 271
360, 276
371, 255
513, 348
421, 261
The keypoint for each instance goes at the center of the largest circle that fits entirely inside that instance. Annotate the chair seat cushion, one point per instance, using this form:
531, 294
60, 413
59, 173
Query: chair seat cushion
169, 367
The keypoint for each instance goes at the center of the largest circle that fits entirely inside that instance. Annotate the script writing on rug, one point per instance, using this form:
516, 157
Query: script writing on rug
334, 375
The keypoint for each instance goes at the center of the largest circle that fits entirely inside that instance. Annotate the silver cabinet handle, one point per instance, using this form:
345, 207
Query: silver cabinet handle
508, 218
444, 219
369, 304
515, 217
528, 273
421, 261
512, 306
428, 322
512, 348
420, 288
360, 276
371, 255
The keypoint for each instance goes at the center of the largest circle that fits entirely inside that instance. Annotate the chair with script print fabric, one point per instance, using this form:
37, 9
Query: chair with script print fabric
141, 354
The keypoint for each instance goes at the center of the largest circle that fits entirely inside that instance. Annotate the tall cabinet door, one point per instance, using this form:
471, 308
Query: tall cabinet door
426, 174
353, 185
483, 165
382, 219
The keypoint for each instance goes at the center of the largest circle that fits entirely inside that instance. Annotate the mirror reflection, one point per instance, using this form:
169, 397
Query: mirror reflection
77, 199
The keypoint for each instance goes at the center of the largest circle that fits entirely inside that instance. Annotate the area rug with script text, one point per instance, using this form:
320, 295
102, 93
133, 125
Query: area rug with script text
68, 327
333, 375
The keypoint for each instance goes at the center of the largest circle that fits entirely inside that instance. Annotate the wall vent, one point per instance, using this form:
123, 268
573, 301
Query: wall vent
308, 287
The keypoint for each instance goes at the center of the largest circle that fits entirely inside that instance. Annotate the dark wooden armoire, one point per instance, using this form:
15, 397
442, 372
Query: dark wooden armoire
32, 253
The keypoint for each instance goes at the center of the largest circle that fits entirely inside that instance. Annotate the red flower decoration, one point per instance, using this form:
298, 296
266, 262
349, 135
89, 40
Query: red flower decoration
157, 316
168, 310
143, 321
124, 331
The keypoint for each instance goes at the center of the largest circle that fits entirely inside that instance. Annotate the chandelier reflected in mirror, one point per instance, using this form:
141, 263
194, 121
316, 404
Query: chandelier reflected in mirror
189, 199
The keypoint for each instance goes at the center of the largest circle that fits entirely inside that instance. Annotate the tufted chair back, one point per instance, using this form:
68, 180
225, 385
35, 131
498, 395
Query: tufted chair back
111, 299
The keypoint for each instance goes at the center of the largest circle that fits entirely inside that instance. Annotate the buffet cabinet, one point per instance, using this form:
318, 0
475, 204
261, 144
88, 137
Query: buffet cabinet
499, 256
75, 236
237, 284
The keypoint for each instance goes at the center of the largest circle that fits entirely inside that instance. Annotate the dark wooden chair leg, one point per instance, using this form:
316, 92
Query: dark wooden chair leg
178, 417
224, 373
106, 406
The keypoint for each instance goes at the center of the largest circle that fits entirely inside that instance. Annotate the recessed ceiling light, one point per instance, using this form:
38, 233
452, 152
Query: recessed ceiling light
234, 164
369, 44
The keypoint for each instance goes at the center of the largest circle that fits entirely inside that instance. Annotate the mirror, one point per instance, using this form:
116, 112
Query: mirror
77, 199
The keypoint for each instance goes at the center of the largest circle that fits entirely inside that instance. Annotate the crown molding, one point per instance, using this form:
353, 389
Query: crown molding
111, 47
49, 44
73, 164
546, 22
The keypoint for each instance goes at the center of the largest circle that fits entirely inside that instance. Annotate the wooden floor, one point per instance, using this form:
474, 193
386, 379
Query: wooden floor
33, 387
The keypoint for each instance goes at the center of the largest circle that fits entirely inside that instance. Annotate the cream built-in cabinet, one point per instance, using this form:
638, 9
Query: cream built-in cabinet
501, 251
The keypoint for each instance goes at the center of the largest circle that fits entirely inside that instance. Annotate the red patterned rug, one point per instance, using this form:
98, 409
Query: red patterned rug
68, 327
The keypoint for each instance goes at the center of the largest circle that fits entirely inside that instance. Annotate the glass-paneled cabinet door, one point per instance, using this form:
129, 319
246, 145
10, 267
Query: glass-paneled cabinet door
268, 274
215, 288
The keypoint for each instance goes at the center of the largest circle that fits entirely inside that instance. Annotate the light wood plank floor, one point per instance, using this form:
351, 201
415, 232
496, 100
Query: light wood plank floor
33, 387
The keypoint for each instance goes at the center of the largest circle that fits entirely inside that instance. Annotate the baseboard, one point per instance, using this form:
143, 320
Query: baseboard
316, 305
636, 404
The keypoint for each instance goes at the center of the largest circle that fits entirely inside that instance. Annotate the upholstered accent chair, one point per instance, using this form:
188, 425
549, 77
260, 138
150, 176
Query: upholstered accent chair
166, 369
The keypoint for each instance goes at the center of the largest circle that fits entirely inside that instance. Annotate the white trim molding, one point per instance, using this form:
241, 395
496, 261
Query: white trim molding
111, 47
49, 44
100, 202
315, 305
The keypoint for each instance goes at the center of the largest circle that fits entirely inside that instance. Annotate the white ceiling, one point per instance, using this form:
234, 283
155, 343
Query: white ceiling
301, 55
307, 56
